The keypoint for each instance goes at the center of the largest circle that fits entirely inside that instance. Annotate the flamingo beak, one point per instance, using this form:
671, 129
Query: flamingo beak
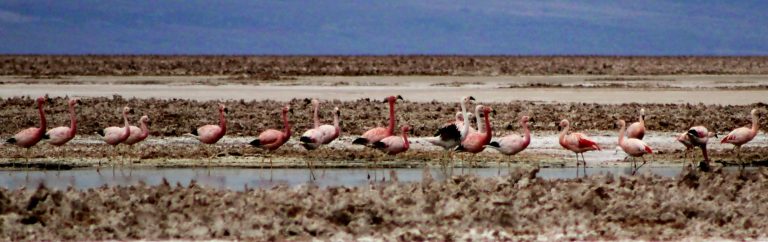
531, 120
226, 110
471, 98
559, 128
400, 97
307, 101
78, 102
130, 111
290, 110
149, 122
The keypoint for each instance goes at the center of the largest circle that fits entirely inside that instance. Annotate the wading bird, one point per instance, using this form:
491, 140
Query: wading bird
30, 136
513, 143
210, 134
698, 136
115, 135
576, 142
451, 134
633, 147
376, 134
743, 135
689, 146
637, 129
138, 134
475, 142
272, 139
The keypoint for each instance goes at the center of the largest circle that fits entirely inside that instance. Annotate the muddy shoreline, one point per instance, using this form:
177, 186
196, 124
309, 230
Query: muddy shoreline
695, 205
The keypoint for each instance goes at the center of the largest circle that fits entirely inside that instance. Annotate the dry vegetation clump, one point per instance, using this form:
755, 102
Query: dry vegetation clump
174, 117
519, 206
277, 67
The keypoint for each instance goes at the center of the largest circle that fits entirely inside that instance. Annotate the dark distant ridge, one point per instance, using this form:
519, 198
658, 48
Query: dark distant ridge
275, 67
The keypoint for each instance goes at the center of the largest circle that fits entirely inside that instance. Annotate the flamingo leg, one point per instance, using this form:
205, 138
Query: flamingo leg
641, 165
577, 165
585, 163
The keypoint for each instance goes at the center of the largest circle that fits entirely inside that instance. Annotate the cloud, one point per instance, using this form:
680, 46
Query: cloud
11, 17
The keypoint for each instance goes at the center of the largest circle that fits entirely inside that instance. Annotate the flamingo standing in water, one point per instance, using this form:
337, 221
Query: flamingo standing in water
30, 136
376, 134
138, 134
633, 147
394, 145
513, 143
576, 142
637, 129
210, 134
115, 135
272, 139
475, 142
321, 134
701, 136
61, 135
743, 135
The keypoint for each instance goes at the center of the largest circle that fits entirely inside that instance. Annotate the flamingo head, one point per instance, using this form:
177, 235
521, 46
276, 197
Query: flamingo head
145, 119
459, 116
337, 111
287, 109
642, 113
223, 108
41, 100
620, 123
315, 102
525, 119
405, 128
127, 110
563, 124
468, 99
74, 102
487, 110
754, 112
393, 99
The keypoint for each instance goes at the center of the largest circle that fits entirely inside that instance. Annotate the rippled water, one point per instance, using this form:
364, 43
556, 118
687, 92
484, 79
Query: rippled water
239, 178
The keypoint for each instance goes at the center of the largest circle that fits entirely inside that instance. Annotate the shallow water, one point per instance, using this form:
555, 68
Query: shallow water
239, 178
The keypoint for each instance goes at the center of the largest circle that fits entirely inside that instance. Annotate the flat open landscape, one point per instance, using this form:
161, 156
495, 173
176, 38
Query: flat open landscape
181, 93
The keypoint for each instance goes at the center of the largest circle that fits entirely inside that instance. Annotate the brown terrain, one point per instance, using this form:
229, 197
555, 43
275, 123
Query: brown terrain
695, 205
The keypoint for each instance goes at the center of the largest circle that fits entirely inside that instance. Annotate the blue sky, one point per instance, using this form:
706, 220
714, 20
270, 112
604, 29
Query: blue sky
529, 27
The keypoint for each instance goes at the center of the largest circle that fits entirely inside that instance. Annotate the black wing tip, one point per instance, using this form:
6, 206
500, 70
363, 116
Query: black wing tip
194, 131
450, 132
378, 145
305, 139
100, 132
460, 148
494, 144
11, 141
46, 136
255, 142
360, 141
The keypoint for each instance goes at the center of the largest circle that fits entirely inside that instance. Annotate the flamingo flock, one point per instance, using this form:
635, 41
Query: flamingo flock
455, 136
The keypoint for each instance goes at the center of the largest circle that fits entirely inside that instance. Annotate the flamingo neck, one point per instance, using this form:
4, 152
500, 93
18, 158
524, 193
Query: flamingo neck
127, 126
72, 120
144, 129
621, 133
222, 122
479, 120
464, 129
43, 122
317, 120
488, 129
406, 144
526, 133
286, 125
336, 122
391, 127
564, 132
755, 124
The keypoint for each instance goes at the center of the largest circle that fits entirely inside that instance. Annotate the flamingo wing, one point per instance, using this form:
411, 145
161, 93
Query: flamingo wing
269, 136
584, 142
376, 134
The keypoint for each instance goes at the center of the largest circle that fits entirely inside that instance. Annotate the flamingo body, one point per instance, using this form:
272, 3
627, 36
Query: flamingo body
514, 143
637, 129
61, 135
476, 142
739, 136
272, 139
377, 134
210, 133
138, 134
30, 136
393, 145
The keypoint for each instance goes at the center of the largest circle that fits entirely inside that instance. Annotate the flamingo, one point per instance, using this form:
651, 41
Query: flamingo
30, 136
689, 144
211, 133
394, 145
475, 142
138, 134
743, 135
576, 142
272, 139
513, 143
115, 135
321, 134
451, 134
637, 129
61, 135
376, 134
633, 147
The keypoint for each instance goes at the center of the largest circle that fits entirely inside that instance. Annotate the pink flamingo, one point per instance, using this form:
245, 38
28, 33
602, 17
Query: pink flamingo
30, 136
61, 135
513, 143
376, 134
272, 139
450, 135
211, 133
475, 142
394, 145
115, 135
138, 134
633, 147
576, 142
743, 135
637, 129
701, 136
321, 134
